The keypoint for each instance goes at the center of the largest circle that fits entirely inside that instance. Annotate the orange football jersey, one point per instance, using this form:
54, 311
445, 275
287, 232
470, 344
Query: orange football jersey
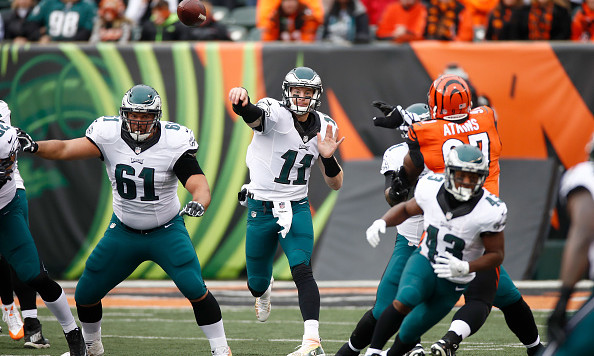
435, 139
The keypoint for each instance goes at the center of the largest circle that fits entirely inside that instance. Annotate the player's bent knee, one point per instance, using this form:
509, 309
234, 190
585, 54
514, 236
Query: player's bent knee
258, 285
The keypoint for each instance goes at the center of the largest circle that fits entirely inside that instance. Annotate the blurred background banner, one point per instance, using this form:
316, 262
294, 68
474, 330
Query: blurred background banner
542, 94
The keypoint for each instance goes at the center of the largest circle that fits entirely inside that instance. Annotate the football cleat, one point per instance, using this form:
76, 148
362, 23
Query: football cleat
10, 315
222, 351
443, 348
416, 351
34, 338
95, 348
309, 348
76, 343
263, 305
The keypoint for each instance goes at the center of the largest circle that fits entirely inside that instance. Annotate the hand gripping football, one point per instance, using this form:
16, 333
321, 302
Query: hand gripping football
191, 12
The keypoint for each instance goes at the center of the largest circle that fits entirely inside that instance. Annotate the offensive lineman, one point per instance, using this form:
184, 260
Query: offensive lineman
144, 158
453, 123
463, 226
576, 192
289, 137
18, 247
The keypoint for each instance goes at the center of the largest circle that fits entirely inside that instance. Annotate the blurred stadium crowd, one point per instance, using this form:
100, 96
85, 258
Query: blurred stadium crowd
336, 21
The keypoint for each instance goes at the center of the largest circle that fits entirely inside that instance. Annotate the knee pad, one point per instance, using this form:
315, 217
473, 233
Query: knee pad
89, 314
302, 273
47, 288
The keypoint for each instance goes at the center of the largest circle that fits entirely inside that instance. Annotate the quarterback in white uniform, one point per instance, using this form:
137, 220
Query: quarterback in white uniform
289, 137
463, 234
576, 194
144, 158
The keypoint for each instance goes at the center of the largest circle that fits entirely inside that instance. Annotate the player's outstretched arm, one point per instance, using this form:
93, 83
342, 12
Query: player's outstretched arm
250, 113
395, 216
78, 148
331, 170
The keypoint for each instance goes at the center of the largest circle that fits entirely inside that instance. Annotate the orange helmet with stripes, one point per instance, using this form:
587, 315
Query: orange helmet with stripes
449, 98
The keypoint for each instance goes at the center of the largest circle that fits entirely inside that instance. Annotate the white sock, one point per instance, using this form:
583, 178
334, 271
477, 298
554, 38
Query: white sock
215, 333
62, 312
311, 330
31, 313
461, 328
91, 331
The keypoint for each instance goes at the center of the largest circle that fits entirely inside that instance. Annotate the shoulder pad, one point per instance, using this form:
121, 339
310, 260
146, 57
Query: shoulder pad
105, 129
178, 137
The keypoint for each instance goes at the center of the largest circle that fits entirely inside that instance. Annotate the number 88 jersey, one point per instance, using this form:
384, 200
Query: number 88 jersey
143, 182
457, 231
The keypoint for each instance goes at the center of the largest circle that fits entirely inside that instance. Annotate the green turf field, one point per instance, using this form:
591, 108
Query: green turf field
133, 332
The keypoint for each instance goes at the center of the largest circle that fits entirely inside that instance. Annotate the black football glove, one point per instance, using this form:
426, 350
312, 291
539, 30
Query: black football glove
558, 319
26, 142
193, 208
392, 117
400, 186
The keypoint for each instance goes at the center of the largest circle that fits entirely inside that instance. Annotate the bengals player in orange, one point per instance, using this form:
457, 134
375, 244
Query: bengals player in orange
453, 123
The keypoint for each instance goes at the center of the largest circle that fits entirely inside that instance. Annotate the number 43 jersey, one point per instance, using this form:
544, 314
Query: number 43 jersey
457, 230
143, 183
280, 156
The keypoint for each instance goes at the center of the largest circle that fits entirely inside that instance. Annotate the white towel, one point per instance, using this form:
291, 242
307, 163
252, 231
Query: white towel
284, 212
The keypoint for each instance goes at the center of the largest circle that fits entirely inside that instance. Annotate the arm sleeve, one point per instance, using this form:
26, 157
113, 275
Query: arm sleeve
250, 114
186, 166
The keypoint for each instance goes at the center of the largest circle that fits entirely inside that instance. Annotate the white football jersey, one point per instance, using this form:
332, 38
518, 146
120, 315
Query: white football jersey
5, 118
458, 231
144, 185
279, 160
581, 175
411, 228
8, 143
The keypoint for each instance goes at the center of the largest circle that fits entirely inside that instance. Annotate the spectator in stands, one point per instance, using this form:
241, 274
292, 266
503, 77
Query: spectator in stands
375, 9
347, 21
548, 20
292, 21
56, 19
111, 25
140, 11
448, 20
505, 21
582, 26
479, 11
267, 7
164, 25
403, 21
210, 30
16, 26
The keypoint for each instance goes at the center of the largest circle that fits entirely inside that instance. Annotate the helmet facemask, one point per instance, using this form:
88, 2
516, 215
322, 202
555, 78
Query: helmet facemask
469, 159
141, 99
302, 77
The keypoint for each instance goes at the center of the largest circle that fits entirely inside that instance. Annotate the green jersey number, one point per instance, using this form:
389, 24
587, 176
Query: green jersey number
290, 157
456, 243
127, 187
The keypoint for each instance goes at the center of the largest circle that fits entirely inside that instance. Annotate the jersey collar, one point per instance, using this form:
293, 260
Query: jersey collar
457, 209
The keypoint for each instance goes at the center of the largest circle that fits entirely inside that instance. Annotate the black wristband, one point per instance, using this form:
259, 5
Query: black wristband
331, 167
249, 113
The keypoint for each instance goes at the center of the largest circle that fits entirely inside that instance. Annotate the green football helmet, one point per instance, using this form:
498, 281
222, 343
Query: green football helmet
302, 77
141, 99
421, 113
465, 158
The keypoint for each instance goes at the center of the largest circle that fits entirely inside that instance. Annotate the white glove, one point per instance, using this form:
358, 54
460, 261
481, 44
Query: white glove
449, 266
408, 117
193, 208
373, 232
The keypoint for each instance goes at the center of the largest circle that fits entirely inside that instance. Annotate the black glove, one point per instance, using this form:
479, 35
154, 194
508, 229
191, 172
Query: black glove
391, 119
558, 318
193, 208
27, 143
399, 188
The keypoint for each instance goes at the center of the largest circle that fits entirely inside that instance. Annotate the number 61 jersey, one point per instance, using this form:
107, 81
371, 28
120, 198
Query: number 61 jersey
457, 230
143, 183
280, 156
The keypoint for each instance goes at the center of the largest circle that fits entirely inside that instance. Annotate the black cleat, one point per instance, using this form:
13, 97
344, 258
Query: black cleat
443, 348
76, 343
33, 336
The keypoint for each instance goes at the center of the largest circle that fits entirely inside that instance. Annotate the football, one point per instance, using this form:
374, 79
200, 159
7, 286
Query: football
191, 12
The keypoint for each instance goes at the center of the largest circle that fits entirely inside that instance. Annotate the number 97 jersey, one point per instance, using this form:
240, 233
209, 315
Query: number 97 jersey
143, 182
457, 231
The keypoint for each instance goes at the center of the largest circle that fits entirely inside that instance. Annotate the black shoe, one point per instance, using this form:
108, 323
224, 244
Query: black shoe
76, 343
33, 337
345, 350
533, 351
